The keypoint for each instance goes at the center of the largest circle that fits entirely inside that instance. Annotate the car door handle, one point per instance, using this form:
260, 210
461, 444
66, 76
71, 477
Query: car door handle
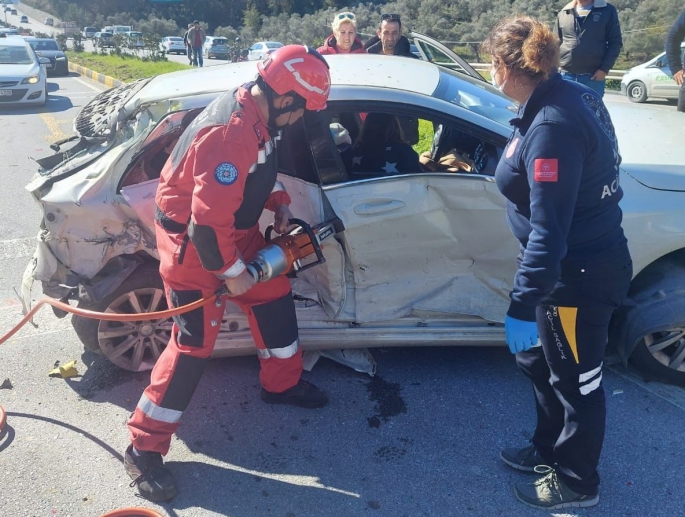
378, 207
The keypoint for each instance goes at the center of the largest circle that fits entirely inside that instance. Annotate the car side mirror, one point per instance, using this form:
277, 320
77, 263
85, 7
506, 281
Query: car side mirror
659, 64
43, 60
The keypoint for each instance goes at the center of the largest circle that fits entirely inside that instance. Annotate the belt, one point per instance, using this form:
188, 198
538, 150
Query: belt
168, 223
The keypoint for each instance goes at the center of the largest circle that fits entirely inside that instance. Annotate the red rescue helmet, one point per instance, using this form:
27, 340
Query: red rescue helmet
299, 69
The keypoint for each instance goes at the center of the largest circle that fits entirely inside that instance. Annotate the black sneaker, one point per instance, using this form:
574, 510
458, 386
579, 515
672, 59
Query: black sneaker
303, 394
525, 459
551, 493
154, 480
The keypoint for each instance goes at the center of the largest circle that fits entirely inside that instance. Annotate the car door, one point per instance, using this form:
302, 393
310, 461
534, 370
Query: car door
659, 81
435, 52
420, 241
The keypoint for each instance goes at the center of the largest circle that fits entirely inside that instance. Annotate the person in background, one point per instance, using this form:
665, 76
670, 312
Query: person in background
381, 149
196, 38
590, 38
560, 175
212, 191
390, 42
389, 39
674, 53
189, 47
344, 39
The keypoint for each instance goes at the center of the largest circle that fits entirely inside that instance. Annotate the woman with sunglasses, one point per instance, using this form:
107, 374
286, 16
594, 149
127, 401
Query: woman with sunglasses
344, 39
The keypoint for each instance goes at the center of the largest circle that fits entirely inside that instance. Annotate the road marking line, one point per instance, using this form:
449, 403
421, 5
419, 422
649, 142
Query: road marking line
91, 86
56, 132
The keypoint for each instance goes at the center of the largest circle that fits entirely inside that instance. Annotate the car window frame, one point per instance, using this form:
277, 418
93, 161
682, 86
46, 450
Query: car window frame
325, 150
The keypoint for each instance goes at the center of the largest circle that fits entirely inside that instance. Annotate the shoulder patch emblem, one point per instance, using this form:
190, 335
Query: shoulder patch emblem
226, 173
547, 169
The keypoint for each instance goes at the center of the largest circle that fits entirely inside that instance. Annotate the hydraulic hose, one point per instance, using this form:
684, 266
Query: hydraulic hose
133, 512
110, 316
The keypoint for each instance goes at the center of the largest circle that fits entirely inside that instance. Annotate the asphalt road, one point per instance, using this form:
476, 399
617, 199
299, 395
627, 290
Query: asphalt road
420, 439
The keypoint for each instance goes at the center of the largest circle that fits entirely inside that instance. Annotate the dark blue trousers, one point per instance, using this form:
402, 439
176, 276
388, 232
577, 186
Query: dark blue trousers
566, 371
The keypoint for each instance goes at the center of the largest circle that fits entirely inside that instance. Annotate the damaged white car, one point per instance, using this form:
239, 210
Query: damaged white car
424, 259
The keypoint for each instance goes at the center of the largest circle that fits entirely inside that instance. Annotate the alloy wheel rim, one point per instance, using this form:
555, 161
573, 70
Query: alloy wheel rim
135, 345
668, 347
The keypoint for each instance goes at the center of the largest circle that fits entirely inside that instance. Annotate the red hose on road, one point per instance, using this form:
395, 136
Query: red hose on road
133, 512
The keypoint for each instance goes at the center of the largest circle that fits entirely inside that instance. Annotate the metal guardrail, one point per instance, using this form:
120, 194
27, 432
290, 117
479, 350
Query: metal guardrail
613, 74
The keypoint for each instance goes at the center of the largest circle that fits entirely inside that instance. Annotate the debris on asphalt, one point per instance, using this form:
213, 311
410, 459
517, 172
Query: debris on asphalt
617, 391
64, 371
6, 385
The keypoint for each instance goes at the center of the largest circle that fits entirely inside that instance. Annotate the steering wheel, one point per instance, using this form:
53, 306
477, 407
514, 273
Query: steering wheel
480, 158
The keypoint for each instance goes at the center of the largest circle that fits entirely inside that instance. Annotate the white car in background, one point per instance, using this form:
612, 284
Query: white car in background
172, 44
650, 79
261, 49
23, 75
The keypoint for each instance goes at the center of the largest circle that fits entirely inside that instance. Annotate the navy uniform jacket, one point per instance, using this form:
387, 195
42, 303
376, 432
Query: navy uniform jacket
560, 175
674, 38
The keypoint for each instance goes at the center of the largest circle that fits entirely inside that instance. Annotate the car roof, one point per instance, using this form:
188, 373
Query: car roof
14, 42
373, 70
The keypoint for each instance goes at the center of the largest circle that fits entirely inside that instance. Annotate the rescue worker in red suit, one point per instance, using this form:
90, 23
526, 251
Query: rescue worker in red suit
212, 191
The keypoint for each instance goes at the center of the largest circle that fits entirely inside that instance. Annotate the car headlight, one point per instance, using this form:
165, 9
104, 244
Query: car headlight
31, 80
61, 58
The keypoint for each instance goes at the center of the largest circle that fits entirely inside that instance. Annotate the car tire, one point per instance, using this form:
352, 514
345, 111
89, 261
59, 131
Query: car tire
681, 99
133, 346
656, 350
637, 91
45, 99
649, 328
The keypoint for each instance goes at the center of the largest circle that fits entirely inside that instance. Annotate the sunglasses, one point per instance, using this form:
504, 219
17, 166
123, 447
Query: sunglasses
349, 16
390, 17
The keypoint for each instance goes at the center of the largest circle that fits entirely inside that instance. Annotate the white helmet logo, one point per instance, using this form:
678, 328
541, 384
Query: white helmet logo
289, 65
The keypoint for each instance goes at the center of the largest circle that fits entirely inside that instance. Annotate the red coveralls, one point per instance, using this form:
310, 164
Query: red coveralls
215, 185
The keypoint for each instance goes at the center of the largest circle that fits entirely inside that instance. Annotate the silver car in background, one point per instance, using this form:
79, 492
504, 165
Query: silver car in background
23, 74
650, 79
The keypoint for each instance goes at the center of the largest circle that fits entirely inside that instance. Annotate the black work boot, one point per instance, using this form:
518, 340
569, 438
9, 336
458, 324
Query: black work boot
303, 394
154, 480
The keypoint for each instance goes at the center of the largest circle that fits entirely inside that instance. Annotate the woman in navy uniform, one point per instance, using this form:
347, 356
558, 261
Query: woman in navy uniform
560, 175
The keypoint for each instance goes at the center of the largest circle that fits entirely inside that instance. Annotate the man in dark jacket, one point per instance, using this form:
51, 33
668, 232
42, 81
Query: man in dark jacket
390, 42
590, 41
674, 38
389, 39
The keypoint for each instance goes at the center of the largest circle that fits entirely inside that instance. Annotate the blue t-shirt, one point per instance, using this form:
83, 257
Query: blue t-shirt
560, 175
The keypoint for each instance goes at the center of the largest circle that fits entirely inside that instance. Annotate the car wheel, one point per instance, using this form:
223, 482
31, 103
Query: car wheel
637, 91
681, 99
662, 354
135, 345
45, 97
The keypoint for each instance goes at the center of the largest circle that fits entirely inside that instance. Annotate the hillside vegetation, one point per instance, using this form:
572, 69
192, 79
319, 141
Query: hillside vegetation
462, 24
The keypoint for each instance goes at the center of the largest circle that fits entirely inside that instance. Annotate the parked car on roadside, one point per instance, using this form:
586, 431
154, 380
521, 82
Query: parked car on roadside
89, 32
103, 39
650, 79
48, 47
261, 49
421, 259
172, 44
215, 47
23, 74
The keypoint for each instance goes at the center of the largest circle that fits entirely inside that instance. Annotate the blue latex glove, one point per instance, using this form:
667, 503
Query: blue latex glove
521, 335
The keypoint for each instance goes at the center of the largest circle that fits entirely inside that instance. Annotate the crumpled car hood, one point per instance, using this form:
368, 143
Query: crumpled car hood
659, 177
